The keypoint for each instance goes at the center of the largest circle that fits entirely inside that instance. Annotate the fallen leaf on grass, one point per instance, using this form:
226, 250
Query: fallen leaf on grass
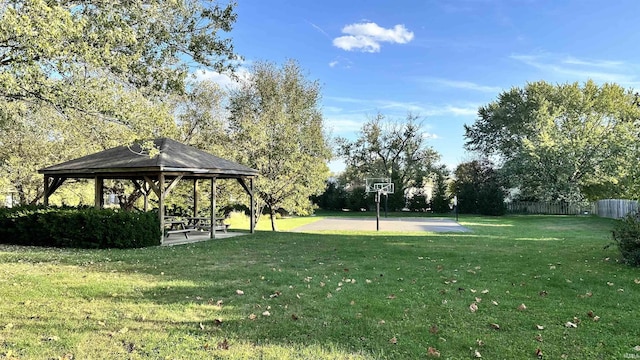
590, 313
485, 291
434, 329
252, 317
392, 296
476, 354
637, 281
266, 313
539, 327
494, 302
539, 353
223, 345
239, 292
636, 348
495, 326
569, 324
587, 295
201, 326
473, 307
538, 338
294, 317
480, 342
393, 340
432, 352
596, 318
522, 307
543, 293
478, 299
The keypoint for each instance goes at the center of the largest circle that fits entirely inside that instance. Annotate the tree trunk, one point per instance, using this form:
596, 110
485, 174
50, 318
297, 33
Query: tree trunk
272, 214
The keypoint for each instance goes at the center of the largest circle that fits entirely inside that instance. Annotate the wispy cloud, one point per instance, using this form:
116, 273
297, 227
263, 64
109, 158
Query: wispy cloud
368, 36
466, 85
400, 108
319, 29
568, 68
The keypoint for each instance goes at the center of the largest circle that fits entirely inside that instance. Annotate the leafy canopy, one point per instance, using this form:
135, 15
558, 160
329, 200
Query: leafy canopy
562, 142
92, 55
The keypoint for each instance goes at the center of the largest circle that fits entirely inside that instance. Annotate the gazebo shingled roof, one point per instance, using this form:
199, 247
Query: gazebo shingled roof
159, 174
130, 161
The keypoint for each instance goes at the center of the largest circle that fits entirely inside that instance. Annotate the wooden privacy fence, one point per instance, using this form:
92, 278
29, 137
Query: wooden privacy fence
615, 208
610, 208
549, 208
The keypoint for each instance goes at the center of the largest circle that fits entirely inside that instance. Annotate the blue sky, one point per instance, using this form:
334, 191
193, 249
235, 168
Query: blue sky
438, 59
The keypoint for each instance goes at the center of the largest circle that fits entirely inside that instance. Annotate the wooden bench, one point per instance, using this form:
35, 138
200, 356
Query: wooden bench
177, 227
178, 231
220, 225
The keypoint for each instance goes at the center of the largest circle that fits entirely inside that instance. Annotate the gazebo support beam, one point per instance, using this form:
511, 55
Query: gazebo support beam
195, 198
212, 214
250, 190
162, 193
99, 192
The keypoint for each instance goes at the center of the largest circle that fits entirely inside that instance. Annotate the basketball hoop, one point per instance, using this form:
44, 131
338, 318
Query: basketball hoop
379, 186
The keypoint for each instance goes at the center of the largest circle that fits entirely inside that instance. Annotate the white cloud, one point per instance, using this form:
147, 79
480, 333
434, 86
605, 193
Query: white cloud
466, 85
430, 136
367, 36
344, 124
225, 81
333, 63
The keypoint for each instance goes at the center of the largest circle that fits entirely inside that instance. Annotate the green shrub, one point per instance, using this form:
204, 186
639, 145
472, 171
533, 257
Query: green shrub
78, 227
626, 235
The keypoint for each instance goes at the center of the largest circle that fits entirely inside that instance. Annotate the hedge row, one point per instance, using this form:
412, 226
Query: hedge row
78, 227
626, 236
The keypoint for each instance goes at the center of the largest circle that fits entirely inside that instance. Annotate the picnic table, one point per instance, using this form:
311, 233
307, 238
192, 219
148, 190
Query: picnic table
204, 223
176, 226
185, 225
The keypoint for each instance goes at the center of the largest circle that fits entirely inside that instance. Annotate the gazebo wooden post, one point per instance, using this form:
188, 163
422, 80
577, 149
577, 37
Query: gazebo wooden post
161, 196
195, 197
252, 223
213, 208
99, 192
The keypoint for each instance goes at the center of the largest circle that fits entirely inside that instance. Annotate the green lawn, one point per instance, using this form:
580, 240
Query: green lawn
330, 296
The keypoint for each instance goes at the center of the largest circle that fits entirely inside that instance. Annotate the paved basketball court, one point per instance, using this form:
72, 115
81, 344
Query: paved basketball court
386, 224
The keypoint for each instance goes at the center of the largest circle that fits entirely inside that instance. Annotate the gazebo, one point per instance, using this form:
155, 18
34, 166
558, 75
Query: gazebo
160, 173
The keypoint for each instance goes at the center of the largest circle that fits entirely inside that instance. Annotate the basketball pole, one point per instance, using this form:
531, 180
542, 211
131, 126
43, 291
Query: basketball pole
378, 210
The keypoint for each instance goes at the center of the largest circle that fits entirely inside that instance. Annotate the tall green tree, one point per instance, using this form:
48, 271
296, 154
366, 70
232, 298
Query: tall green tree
479, 188
440, 199
276, 127
71, 54
562, 142
388, 149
